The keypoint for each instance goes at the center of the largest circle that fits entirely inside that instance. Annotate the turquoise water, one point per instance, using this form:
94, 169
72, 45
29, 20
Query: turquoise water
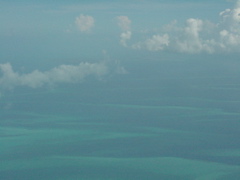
127, 128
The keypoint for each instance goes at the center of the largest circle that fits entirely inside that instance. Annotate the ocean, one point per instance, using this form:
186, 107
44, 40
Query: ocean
160, 121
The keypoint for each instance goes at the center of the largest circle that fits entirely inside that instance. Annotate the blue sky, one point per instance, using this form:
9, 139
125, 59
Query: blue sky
43, 35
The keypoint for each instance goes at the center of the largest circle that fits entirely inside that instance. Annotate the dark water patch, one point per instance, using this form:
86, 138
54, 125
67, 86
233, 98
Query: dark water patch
230, 176
10, 135
218, 159
91, 172
15, 116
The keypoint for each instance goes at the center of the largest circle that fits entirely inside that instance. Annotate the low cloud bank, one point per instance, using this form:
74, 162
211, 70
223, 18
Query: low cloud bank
195, 36
60, 74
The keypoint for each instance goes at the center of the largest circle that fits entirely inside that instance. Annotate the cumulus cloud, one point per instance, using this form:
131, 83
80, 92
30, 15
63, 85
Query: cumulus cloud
60, 74
196, 35
156, 43
124, 37
192, 40
125, 24
229, 32
84, 23
231, 18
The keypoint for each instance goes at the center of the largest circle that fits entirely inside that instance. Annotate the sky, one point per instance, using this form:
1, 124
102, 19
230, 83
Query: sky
55, 42
114, 89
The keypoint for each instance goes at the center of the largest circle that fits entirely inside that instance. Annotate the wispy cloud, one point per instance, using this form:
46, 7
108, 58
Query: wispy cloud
84, 23
124, 23
60, 74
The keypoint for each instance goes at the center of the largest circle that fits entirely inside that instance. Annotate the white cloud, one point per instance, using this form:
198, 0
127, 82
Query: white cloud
60, 74
231, 18
156, 43
191, 40
203, 36
229, 29
84, 23
196, 35
124, 23
124, 37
